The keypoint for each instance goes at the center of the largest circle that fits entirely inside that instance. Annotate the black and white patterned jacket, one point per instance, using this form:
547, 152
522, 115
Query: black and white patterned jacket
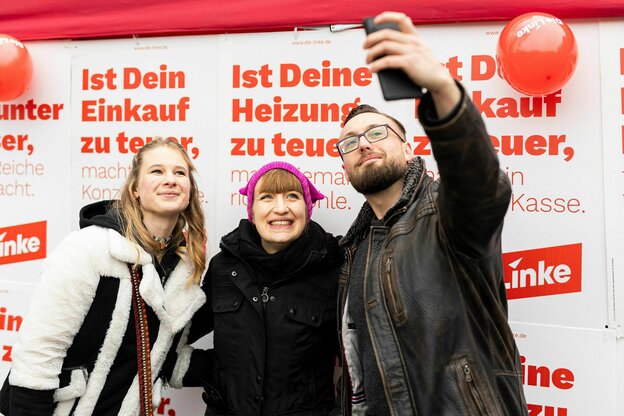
76, 353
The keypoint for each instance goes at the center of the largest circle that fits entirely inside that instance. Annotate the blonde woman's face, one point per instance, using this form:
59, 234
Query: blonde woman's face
163, 186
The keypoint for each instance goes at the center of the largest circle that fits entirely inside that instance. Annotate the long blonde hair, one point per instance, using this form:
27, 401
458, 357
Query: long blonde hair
190, 221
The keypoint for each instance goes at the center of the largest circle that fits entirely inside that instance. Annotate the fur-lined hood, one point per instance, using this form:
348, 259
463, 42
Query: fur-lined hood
102, 214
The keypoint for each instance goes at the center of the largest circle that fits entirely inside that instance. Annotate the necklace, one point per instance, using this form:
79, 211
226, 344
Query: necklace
163, 241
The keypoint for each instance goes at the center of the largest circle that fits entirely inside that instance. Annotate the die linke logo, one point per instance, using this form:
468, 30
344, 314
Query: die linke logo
23, 242
543, 271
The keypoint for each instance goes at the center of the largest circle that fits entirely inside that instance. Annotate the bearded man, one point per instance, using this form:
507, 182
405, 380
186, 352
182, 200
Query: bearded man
422, 297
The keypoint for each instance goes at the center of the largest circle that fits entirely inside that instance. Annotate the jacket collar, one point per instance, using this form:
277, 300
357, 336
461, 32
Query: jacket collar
360, 226
174, 304
309, 249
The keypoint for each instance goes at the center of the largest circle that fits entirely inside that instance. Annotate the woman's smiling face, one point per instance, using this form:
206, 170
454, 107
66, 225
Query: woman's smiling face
280, 216
163, 186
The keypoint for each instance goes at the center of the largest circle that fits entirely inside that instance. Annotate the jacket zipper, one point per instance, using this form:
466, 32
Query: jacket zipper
474, 392
395, 300
264, 296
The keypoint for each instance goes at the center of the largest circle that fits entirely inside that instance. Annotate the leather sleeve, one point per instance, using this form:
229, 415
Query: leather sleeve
473, 193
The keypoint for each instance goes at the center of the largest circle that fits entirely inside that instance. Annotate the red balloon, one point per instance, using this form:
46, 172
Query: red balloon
536, 53
15, 68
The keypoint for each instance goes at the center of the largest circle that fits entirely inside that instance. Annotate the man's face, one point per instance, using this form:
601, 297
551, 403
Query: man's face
373, 167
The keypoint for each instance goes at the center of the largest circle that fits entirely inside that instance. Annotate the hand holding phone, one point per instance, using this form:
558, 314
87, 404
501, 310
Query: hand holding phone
395, 84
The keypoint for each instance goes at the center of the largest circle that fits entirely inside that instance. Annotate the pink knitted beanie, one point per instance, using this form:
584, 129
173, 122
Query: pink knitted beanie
310, 193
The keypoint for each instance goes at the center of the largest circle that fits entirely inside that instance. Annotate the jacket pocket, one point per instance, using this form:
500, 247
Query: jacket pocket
392, 293
231, 322
474, 390
312, 309
229, 301
66, 396
309, 330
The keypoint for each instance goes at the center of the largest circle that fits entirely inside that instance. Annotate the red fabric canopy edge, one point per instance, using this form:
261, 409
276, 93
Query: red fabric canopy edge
77, 19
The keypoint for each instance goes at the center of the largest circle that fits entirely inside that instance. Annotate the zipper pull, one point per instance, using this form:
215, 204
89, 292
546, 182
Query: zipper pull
467, 373
388, 263
265, 296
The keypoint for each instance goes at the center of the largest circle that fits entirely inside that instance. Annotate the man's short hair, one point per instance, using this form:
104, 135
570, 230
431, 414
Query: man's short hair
365, 108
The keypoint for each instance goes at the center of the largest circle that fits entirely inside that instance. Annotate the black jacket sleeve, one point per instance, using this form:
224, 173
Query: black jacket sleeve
200, 369
474, 193
20, 401
203, 321
190, 366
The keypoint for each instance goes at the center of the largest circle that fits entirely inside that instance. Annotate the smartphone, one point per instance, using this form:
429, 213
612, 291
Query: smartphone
395, 84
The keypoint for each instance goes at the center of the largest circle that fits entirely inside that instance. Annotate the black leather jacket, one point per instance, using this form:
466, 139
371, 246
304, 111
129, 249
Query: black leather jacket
438, 317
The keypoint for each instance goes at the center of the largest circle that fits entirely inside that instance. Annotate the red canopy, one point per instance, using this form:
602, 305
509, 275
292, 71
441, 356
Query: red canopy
78, 19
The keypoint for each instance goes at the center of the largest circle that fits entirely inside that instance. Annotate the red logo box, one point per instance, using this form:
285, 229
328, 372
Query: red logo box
543, 271
23, 242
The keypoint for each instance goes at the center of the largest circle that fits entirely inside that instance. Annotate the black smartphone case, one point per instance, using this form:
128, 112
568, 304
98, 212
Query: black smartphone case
395, 84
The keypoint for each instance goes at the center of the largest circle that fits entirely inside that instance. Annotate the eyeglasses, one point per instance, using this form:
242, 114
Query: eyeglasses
373, 134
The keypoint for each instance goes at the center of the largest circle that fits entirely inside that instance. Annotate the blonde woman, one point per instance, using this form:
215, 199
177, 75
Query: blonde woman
114, 297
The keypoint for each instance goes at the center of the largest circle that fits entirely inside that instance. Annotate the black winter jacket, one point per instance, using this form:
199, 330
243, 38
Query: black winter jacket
274, 322
435, 297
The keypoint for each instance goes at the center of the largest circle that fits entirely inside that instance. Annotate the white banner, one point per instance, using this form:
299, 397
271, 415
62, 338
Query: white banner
34, 165
563, 376
239, 101
14, 300
612, 91
554, 228
124, 93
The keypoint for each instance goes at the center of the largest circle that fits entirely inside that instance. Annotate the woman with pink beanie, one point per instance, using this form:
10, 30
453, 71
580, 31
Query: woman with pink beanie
271, 305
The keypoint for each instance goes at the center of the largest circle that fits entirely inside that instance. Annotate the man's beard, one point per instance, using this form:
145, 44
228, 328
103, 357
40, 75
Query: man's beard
373, 179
